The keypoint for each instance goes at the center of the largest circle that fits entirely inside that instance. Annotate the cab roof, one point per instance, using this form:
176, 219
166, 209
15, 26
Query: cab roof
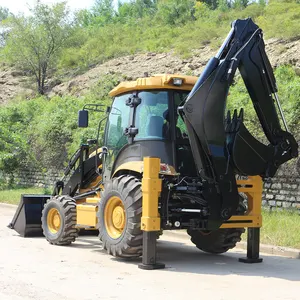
155, 82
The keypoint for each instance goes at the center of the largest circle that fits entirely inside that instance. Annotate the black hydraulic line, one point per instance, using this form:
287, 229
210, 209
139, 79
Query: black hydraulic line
84, 195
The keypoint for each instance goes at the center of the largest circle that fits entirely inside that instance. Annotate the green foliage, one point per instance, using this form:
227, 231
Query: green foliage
136, 9
13, 195
274, 228
43, 132
4, 13
13, 146
176, 12
281, 19
34, 42
288, 83
170, 25
103, 32
101, 14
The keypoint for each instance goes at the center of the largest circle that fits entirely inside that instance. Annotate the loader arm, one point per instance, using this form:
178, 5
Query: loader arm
222, 146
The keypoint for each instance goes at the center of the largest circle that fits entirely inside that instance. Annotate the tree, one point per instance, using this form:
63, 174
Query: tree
4, 13
239, 3
35, 42
213, 4
174, 12
136, 9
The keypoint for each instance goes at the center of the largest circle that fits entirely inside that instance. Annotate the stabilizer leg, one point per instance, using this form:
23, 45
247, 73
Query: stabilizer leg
149, 252
253, 239
150, 223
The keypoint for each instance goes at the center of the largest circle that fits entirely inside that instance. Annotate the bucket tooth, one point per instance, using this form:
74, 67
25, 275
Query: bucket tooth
228, 122
234, 120
241, 115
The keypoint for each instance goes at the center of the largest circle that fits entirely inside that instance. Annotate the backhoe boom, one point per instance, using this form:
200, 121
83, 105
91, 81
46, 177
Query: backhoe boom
222, 146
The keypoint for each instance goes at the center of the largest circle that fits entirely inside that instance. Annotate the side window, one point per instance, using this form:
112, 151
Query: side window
118, 120
179, 97
150, 115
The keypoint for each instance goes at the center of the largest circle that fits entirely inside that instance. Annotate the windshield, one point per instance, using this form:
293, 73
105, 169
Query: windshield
151, 115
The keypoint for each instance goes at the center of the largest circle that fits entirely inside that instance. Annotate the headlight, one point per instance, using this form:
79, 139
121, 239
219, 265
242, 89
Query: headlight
177, 81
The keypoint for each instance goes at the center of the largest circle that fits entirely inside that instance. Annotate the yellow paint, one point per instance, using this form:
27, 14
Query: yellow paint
99, 150
114, 217
93, 200
53, 220
86, 214
252, 187
94, 183
151, 188
138, 166
159, 81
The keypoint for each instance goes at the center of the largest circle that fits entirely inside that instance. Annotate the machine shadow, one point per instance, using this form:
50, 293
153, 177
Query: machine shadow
181, 257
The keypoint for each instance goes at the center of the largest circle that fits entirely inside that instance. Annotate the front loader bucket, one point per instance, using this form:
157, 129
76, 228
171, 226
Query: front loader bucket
27, 218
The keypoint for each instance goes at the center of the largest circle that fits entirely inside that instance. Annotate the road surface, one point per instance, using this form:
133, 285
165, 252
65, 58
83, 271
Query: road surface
33, 269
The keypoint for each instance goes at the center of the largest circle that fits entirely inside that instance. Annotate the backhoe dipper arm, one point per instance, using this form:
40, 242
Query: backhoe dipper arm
223, 147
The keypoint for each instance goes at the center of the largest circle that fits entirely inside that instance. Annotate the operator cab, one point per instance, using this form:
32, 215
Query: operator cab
144, 121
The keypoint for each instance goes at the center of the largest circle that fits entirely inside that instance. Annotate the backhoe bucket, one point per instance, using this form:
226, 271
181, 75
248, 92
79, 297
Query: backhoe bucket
27, 218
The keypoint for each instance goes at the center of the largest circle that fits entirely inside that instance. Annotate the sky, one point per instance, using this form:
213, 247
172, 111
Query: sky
16, 6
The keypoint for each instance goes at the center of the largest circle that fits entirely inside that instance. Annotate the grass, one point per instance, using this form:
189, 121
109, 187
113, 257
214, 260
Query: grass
280, 228
13, 196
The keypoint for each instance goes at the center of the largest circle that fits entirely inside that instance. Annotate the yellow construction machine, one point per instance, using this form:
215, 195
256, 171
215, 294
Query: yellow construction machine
172, 158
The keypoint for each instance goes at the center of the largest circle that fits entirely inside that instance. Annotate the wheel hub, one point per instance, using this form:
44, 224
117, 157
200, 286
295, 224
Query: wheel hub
53, 220
118, 217
114, 217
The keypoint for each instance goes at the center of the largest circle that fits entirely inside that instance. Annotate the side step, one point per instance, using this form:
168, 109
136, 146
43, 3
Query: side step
27, 218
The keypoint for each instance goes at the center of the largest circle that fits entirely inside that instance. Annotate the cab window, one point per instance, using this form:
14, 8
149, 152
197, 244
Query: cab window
151, 115
118, 120
179, 97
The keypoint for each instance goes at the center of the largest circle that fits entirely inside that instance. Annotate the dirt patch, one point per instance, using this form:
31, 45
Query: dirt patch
12, 83
134, 66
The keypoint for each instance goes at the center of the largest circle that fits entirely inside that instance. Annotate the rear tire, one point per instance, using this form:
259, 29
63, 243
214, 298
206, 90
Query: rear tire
220, 240
59, 220
119, 217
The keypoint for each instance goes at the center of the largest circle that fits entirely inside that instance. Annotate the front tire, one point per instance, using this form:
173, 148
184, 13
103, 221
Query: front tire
59, 220
119, 217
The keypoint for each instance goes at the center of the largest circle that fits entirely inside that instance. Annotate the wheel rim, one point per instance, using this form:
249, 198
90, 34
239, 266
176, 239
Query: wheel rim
54, 220
114, 217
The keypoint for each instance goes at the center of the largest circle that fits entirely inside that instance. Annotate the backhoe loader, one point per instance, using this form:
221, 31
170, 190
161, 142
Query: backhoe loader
172, 158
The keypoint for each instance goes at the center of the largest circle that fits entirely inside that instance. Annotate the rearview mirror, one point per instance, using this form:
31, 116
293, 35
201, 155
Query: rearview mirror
83, 118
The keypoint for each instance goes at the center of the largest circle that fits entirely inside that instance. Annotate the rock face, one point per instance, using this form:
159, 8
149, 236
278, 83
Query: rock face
279, 52
12, 85
12, 82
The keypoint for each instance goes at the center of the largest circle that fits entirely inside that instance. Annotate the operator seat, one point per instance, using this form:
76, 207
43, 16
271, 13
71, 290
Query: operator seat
155, 126
167, 126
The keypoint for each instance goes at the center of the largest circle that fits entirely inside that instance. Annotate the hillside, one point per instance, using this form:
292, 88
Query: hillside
103, 47
13, 83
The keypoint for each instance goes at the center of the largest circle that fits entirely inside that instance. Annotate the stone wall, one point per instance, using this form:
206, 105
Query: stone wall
284, 189
35, 178
281, 191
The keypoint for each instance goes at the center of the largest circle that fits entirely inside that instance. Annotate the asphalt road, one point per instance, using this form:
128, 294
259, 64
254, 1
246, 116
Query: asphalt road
34, 269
